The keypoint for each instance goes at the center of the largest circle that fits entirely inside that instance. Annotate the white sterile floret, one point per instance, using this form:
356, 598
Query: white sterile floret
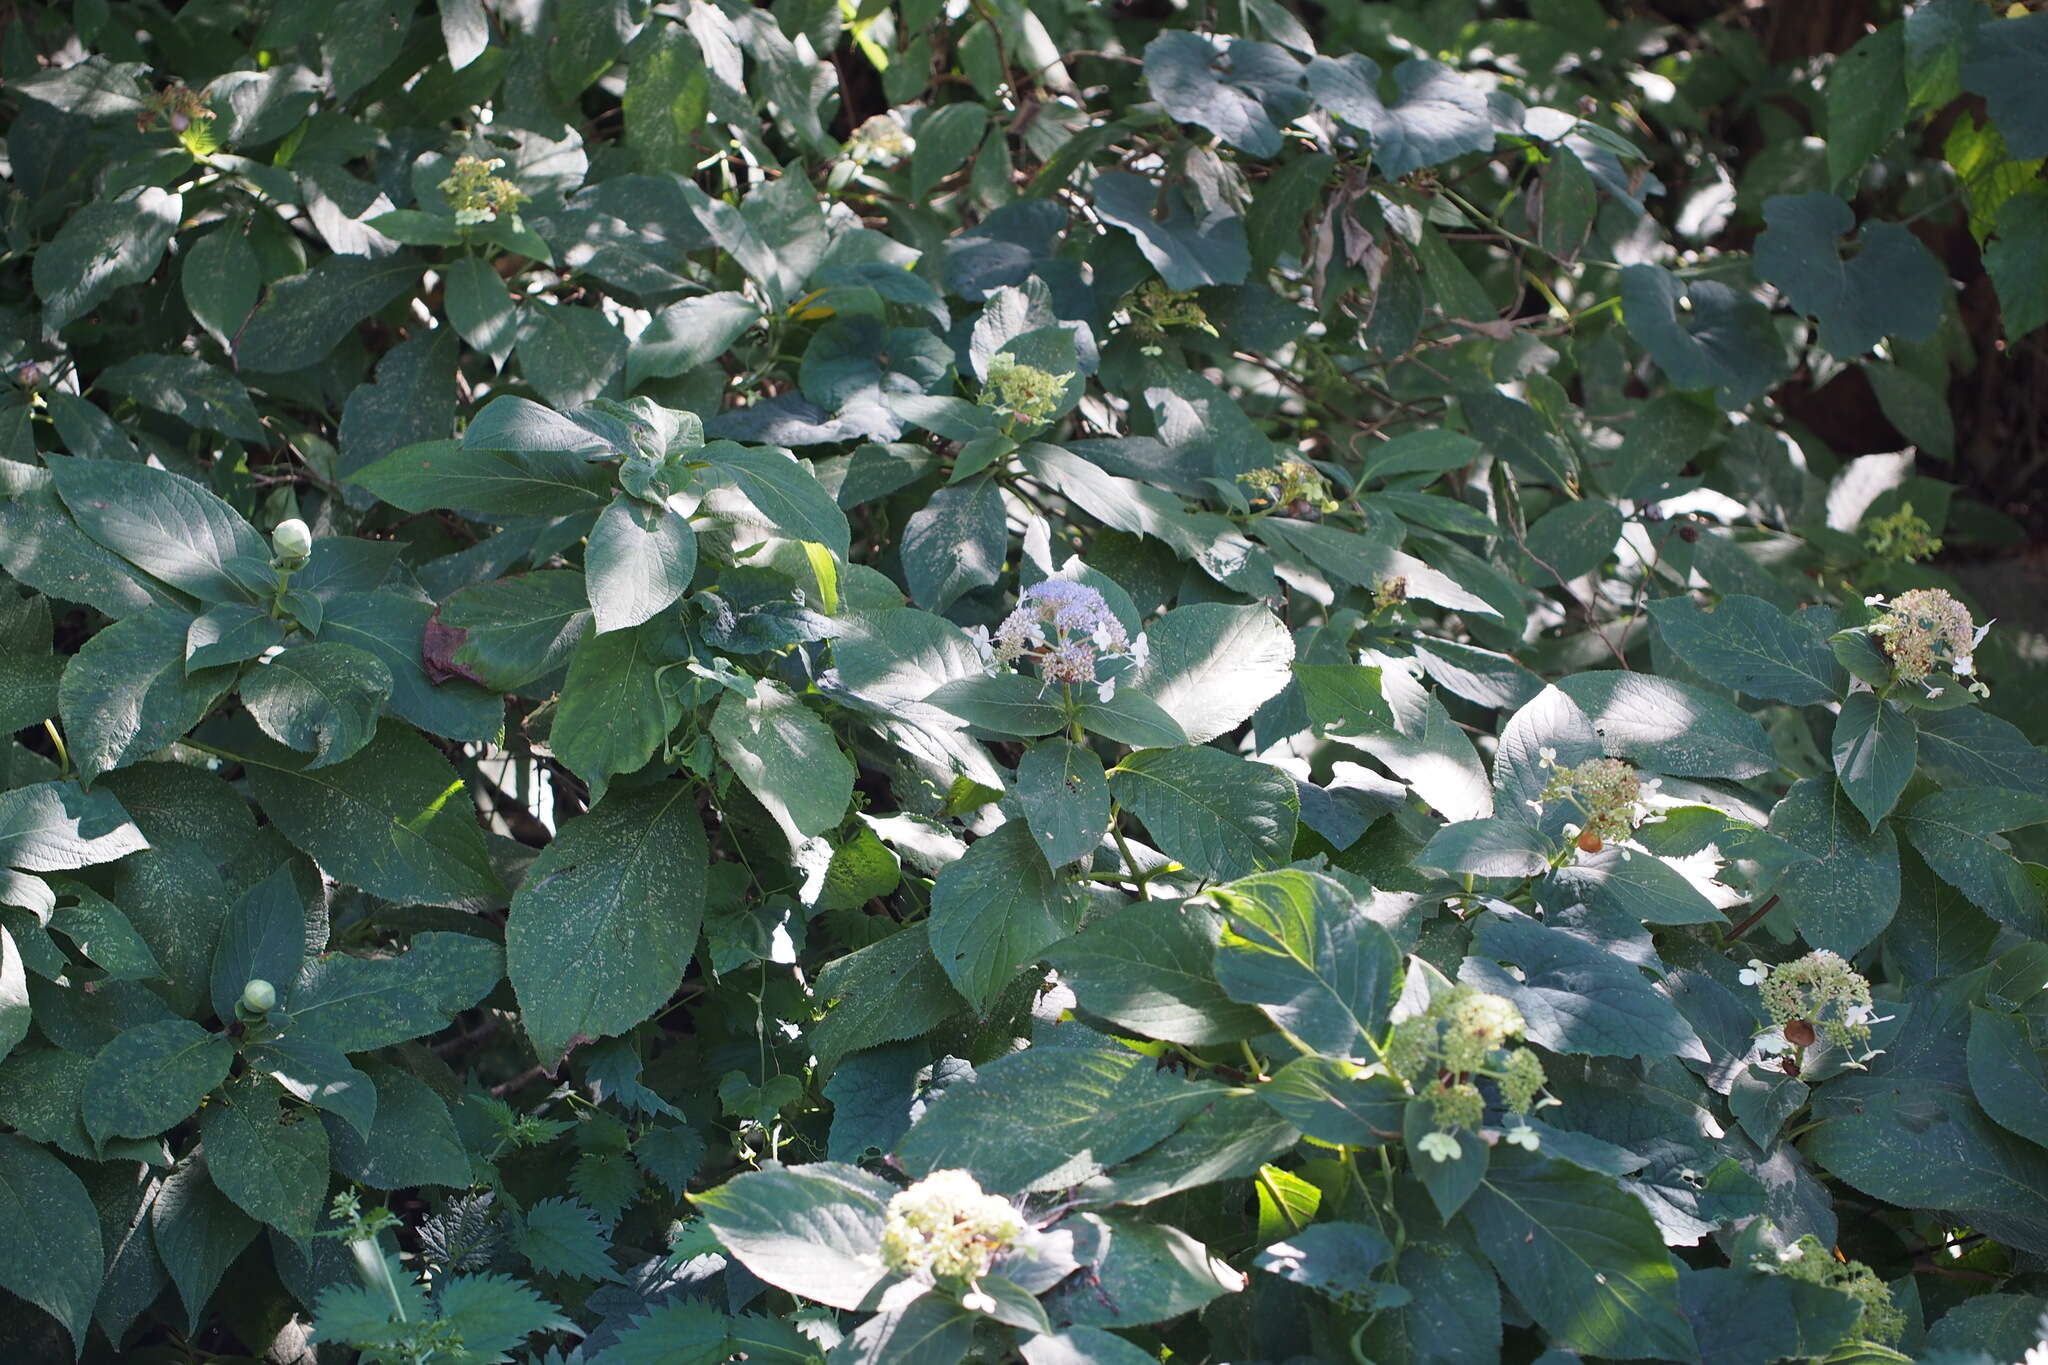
1439, 1146
945, 1228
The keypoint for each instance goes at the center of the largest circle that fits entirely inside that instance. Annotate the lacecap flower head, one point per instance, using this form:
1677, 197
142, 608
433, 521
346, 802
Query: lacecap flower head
944, 1229
1466, 1033
476, 195
880, 140
1607, 790
1069, 631
1808, 1259
1821, 991
1925, 628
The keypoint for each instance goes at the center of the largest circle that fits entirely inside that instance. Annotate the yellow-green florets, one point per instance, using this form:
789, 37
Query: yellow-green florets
1289, 483
1606, 790
945, 1229
1925, 628
880, 141
1903, 537
1807, 1259
1153, 308
1024, 392
1463, 1035
478, 196
1821, 990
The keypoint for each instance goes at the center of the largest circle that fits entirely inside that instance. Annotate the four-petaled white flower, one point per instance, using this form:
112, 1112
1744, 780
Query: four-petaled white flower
1440, 1147
1524, 1137
1754, 973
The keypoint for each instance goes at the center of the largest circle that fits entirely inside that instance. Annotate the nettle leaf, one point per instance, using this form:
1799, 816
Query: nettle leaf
1300, 947
606, 921
1702, 334
1220, 815
1892, 286
995, 909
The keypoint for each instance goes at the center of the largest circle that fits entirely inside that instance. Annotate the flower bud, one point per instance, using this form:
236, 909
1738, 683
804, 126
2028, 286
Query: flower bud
291, 540
259, 996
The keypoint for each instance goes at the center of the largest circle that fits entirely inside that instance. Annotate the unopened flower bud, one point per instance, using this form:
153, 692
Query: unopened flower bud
259, 996
291, 540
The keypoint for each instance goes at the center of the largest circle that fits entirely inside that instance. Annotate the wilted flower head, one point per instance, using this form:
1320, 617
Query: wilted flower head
476, 195
880, 141
1025, 392
1809, 1260
1069, 629
1926, 627
1821, 991
178, 104
944, 1228
1607, 790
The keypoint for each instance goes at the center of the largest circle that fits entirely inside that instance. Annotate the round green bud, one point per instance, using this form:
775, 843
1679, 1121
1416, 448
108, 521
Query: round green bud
259, 996
291, 540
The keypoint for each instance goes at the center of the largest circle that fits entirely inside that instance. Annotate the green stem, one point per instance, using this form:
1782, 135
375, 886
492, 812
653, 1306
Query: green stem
63, 754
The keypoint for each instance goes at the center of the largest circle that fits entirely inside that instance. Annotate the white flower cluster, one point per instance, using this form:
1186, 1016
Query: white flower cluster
1067, 629
1926, 627
945, 1229
880, 141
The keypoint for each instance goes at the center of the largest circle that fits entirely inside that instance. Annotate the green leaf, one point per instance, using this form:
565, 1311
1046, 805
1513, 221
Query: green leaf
1575, 996
491, 1314
1199, 80
2017, 261
319, 698
639, 562
356, 1004
1189, 248
1300, 947
1344, 699
127, 694
480, 307
956, 542
1892, 286
196, 393
2008, 65
52, 1257
167, 526
888, 990
320, 1075
1211, 665
106, 244
667, 94
1130, 718
787, 757
814, 1230
688, 333
262, 939
408, 402
1048, 1118
606, 921
995, 909
1439, 116
1141, 1273
1847, 895
1668, 727
491, 483
1065, 799
569, 354
1452, 1183
394, 819
220, 280
307, 316
946, 137
1956, 832
512, 631
1969, 747
413, 1140
783, 490
1749, 645
230, 633
1002, 703
561, 1237
151, 1077
611, 717
1220, 815
1574, 538
272, 1164
15, 1009
57, 826
1866, 101
175, 897
1647, 889
391, 626
1083, 1346
1332, 1101
1582, 1257
2007, 1074
1228, 1141
1495, 847
1147, 967
198, 1232
1876, 748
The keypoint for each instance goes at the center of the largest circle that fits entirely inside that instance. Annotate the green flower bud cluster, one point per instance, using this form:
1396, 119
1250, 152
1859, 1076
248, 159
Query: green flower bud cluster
1463, 1035
1821, 990
1924, 628
1288, 483
1807, 1259
1607, 790
1154, 308
476, 195
1025, 392
944, 1228
1903, 537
